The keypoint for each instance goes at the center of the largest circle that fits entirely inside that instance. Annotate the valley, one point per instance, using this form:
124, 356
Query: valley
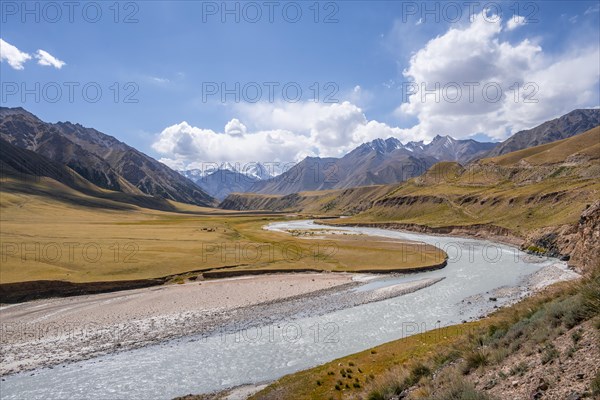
98, 276
300, 200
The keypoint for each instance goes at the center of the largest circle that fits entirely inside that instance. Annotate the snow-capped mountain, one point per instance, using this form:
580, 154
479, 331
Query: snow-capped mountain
446, 148
381, 161
220, 180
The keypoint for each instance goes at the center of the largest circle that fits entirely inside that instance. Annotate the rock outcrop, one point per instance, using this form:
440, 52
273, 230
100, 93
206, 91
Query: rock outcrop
586, 252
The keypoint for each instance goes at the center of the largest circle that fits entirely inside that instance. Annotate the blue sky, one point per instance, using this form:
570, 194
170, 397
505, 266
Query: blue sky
172, 52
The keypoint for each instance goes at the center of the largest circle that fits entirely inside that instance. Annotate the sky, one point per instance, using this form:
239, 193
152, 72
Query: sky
191, 83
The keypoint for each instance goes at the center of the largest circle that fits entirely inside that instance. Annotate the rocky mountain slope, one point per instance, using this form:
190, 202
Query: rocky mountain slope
446, 148
97, 157
573, 123
220, 181
25, 172
374, 163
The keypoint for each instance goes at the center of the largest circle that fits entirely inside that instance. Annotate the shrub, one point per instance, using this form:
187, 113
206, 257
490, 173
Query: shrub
595, 386
417, 372
519, 369
474, 360
590, 293
536, 249
376, 395
461, 390
576, 336
549, 353
444, 358
497, 356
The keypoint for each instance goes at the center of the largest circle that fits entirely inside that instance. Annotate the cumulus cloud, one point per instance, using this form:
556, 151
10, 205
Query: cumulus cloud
48, 60
515, 22
283, 132
235, 128
476, 80
469, 80
15, 57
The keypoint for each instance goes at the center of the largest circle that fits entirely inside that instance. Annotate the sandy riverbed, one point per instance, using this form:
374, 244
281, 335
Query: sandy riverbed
47, 333
51, 331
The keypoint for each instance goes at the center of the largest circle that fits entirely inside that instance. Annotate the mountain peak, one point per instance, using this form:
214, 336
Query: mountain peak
381, 146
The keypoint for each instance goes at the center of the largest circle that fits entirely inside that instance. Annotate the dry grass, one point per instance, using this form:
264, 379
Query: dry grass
45, 239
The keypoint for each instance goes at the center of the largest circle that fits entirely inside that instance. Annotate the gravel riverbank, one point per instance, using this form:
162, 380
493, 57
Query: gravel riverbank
47, 333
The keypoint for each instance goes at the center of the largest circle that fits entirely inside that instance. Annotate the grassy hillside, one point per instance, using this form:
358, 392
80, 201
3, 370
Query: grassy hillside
586, 144
51, 231
544, 186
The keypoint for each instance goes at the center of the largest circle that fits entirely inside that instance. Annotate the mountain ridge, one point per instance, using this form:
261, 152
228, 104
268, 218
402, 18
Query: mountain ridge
563, 127
101, 159
380, 161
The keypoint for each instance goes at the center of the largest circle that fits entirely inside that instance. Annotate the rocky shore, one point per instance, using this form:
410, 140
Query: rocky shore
52, 332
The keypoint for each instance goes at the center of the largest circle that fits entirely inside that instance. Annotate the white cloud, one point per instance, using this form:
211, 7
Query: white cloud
235, 128
15, 57
157, 79
592, 10
48, 60
515, 22
477, 53
282, 132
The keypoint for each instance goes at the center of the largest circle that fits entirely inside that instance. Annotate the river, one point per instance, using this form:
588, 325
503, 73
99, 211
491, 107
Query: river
199, 365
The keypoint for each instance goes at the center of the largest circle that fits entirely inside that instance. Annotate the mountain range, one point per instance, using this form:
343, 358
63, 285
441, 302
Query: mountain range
99, 165
375, 163
389, 161
571, 124
220, 181
98, 158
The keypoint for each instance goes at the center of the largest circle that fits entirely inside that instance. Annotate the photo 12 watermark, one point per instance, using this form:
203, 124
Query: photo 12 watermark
435, 12
269, 92
242, 252
122, 333
253, 12
469, 92
69, 92
52, 12
69, 252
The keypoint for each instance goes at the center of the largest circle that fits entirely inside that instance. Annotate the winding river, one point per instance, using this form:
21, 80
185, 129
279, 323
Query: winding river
476, 268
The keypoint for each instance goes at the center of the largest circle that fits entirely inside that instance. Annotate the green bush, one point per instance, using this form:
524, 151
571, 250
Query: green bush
376, 395
549, 353
461, 390
474, 360
416, 373
519, 369
576, 336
